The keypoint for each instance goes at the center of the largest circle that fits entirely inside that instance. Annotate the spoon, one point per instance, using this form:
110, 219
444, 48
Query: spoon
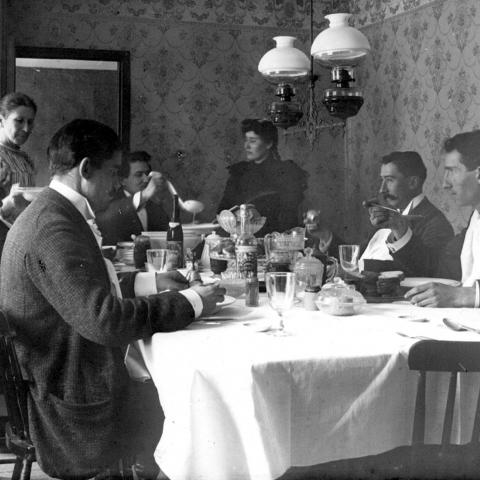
458, 327
191, 206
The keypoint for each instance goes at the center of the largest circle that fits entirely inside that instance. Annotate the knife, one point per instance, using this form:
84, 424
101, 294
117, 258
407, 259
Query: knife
459, 327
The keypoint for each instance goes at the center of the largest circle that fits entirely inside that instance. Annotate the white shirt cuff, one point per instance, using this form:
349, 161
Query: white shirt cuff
145, 284
401, 242
136, 200
195, 300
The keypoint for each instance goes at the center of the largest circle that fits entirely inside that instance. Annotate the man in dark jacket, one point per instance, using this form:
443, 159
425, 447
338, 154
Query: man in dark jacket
137, 204
72, 325
411, 245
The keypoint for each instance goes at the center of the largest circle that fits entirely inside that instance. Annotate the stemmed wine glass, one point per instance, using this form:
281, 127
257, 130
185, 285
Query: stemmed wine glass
349, 257
281, 295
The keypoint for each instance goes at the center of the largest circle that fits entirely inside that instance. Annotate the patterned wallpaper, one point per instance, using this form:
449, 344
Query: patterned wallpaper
194, 78
373, 11
420, 86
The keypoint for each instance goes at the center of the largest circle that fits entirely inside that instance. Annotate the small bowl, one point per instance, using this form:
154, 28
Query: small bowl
340, 300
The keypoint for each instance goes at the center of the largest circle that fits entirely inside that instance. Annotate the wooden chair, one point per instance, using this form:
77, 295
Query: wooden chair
444, 460
17, 437
419, 460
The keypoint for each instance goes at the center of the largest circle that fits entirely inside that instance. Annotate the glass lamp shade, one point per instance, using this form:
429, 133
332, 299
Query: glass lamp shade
340, 44
284, 63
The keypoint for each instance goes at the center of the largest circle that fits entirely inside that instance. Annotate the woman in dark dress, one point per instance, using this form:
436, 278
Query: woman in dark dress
276, 187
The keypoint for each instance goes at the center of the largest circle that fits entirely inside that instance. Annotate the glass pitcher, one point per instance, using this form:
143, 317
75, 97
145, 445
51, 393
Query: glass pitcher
282, 249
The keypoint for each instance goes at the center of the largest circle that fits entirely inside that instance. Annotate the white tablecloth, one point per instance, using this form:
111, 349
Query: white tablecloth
242, 404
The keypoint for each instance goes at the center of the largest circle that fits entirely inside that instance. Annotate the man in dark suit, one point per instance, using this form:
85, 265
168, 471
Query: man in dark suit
137, 204
461, 256
410, 245
72, 326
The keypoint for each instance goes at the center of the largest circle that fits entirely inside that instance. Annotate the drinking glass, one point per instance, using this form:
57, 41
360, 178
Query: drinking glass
281, 295
349, 257
160, 259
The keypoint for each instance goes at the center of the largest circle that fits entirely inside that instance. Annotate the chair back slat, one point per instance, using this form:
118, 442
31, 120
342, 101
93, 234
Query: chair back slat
476, 423
15, 388
448, 418
418, 435
443, 356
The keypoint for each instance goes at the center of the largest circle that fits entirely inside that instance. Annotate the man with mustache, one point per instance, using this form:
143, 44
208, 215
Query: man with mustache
137, 205
410, 245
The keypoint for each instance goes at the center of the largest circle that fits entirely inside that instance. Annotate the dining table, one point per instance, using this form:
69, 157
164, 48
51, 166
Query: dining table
242, 403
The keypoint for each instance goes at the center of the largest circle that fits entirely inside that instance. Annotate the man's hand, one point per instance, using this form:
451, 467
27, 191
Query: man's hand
211, 294
154, 188
439, 295
172, 280
379, 217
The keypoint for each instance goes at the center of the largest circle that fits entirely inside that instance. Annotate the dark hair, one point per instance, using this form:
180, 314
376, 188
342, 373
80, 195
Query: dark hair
132, 157
78, 139
468, 145
408, 163
11, 101
263, 128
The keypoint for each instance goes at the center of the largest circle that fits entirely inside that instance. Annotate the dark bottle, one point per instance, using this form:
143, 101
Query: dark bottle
140, 246
175, 234
246, 247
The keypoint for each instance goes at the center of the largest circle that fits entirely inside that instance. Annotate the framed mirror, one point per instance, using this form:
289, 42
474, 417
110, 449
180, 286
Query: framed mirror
70, 83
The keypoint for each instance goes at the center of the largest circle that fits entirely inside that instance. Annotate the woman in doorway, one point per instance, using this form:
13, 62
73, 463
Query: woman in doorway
17, 116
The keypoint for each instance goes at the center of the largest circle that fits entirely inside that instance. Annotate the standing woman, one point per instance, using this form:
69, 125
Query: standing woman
17, 115
276, 187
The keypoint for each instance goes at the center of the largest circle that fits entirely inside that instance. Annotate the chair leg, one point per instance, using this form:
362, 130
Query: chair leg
17, 469
26, 469
23, 468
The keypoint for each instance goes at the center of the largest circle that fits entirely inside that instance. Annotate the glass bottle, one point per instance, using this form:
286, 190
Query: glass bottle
246, 247
140, 246
175, 234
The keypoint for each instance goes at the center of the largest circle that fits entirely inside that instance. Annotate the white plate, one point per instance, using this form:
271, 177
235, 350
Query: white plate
228, 301
199, 228
415, 281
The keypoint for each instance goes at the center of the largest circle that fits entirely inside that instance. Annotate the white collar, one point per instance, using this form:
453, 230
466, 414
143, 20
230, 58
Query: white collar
7, 224
414, 202
75, 198
475, 218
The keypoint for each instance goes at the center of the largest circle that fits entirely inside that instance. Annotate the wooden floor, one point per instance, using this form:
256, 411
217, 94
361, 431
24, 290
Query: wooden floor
7, 469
